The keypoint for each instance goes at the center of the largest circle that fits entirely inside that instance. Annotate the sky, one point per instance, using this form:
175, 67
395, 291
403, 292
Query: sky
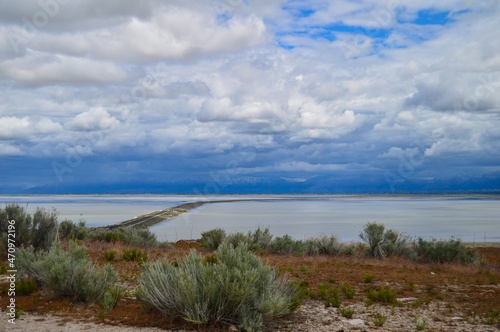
249, 96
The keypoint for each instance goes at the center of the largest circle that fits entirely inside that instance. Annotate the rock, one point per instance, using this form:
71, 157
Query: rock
233, 328
356, 323
456, 318
406, 299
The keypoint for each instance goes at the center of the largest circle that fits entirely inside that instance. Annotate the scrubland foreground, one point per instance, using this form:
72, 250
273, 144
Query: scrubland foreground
114, 280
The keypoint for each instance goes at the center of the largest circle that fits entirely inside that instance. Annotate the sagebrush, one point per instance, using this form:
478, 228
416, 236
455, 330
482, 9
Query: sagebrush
37, 230
236, 288
66, 273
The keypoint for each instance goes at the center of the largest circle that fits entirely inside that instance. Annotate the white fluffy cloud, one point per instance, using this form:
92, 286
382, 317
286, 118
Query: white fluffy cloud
317, 83
13, 127
94, 119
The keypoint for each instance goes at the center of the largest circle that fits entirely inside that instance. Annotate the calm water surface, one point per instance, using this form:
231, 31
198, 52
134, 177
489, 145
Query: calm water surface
101, 210
468, 219
441, 217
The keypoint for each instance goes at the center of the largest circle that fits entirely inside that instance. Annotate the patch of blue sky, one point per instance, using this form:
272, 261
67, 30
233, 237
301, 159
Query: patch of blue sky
298, 9
329, 32
431, 17
223, 18
284, 45
305, 12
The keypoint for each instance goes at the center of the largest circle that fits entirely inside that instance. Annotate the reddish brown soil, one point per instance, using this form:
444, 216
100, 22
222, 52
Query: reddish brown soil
460, 286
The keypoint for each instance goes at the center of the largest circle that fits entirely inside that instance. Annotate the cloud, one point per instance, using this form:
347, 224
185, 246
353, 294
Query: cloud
177, 31
47, 126
43, 69
9, 150
95, 119
270, 87
14, 127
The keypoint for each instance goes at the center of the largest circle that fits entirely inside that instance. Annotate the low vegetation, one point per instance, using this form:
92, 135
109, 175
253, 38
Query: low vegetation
37, 230
444, 251
237, 288
66, 273
225, 282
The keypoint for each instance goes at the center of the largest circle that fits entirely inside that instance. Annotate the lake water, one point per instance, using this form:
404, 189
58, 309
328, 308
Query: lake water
441, 217
101, 210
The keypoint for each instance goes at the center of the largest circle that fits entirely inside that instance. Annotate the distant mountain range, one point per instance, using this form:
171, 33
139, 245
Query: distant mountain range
278, 184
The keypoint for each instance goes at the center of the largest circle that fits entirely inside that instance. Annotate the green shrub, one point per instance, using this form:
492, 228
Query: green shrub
329, 295
235, 239
422, 324
379, 319
287, 245
259, 239
349, 250
38, 230
128, 235
256, 241
396, 244
311, 247
238, 289
69, 230
67, 274
25, 286
347, 312
348, 291
384, 243
111, 297
444, 251
110, 255
212, 239
382, 294
329, 245
368, 277
134, 255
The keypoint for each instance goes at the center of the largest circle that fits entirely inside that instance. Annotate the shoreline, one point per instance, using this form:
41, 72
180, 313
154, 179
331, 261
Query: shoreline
295, 195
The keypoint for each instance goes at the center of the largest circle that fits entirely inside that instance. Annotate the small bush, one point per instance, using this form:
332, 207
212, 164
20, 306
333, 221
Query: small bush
421, 324
38, 230
238, 289
382, 294
329, 295
379, 319
368, 277
110, 255
260, 239
69, 230
444, 251
311, 247
384, 243
134, 255
348, 291
25, 286
287, 245
235, 239
329, 245
347, 312
111, 297
68, 273
349, 250
128, 235
212, 239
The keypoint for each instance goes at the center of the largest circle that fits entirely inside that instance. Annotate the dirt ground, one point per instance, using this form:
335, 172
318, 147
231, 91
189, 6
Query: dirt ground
469, 292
